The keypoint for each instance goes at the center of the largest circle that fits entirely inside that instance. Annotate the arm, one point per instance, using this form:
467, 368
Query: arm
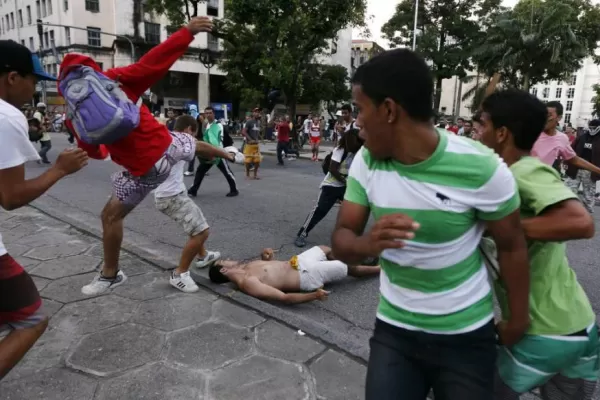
209, 151
255, 288
567, 220
581, 163
245, 131
334, 170
17, 192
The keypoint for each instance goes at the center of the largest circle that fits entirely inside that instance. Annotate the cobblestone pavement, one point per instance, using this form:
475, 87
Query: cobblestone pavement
146, 340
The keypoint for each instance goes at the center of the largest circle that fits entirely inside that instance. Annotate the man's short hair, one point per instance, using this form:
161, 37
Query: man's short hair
523, 114
216, 276
460, 119
401, 75
347, 107
185, 121
557, 106
209, 108
477, 117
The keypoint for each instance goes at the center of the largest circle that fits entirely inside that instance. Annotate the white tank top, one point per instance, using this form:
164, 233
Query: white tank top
315, 129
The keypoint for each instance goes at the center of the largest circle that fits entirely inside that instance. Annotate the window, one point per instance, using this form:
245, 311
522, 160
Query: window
558, 93
12, 20
212, 8
573, 80
46, 40
44, 9
52, 42
534, 91
31, 44
66, 5
171, 30
94, 36
92, 5
2, 25
38, 9
213, 42
152, 32
49, 7
68, 36
20, 18
7, 23
569, 105
570, 93
567, 118
545, 92
22, 42
29, 20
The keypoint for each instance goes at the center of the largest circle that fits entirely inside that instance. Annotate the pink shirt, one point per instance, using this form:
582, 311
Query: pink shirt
548, 148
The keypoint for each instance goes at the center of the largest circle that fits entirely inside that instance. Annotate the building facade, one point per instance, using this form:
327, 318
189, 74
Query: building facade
363, 50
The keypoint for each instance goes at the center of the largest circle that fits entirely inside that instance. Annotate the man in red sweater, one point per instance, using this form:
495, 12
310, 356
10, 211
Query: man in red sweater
147, 153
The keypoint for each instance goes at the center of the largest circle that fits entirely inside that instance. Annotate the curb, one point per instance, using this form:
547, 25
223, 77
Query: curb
358, 351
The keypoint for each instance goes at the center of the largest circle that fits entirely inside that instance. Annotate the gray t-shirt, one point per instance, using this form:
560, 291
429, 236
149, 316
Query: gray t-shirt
253, 129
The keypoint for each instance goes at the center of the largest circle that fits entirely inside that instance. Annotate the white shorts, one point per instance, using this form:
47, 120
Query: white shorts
315, 270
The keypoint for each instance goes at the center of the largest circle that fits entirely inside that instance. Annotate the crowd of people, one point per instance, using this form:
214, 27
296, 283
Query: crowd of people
457, 221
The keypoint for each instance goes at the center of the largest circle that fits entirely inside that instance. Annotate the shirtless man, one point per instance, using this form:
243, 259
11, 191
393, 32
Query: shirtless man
269, 279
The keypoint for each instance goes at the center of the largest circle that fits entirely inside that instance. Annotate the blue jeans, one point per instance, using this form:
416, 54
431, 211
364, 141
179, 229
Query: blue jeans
406, 364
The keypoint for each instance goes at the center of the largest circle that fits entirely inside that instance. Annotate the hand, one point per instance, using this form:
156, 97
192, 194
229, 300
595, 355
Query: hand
267, 254
389, 232
511, 332
321, 294
71, 161
200, 24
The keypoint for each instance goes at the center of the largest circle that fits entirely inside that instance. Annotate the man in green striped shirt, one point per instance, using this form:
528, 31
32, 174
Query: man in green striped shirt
432, 195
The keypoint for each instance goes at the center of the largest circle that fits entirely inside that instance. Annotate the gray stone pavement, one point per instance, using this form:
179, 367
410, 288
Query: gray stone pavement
146, 340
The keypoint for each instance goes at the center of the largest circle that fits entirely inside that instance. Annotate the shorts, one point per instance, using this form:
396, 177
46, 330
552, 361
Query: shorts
132, 190
20, 302
252, 154
315, 140
315, 270
553, 363
181, 209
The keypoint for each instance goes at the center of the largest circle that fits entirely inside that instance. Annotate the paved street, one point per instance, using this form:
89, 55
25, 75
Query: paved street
267, 213
149, 341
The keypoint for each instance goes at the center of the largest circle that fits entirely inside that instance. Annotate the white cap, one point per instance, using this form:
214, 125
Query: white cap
41, 105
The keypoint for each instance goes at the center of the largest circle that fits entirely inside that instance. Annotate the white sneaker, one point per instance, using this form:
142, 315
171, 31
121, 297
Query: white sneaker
210, 258
101, 284
184, 282
188, 173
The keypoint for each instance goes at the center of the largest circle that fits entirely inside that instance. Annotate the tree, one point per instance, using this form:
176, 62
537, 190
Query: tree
446, 33
539, 40
596, 101
325, 83
178, 12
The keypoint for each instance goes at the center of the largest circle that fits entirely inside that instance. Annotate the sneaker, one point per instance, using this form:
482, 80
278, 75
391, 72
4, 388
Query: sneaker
101, 284
188, 173
184, 282
210, 258
300, 241
232, 194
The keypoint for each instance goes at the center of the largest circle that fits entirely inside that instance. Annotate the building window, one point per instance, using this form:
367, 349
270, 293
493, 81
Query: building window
94, 36
212, 8
213, 42
572, 80
7, 23
20, 18
31, 44
570, 93
545, 92
49, 7
569, 105
29, 20
534, 91
23, 42
171, 30
68, 36
558, 93
2, 25
52, 42
66, 5
38, 9
44, 9
12, 20
567, 118
152, 32
46, 40
92, 5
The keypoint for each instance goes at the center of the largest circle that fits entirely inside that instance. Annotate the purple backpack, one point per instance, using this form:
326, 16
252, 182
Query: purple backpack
100, 111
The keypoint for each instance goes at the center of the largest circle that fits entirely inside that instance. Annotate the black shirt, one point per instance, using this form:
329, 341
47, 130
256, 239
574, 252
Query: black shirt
586, 153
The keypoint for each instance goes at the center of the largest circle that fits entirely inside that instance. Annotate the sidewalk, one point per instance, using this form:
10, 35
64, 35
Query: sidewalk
146, 340
270, 148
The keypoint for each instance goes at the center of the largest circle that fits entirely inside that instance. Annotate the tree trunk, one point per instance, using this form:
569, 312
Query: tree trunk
438, 95
526, 82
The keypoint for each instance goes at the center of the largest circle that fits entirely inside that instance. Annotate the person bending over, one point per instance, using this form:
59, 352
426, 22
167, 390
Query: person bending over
269, 279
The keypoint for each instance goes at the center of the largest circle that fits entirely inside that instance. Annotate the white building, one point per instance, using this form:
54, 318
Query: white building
362, 51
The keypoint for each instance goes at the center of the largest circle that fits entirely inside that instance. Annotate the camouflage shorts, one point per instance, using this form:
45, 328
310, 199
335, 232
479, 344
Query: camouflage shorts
181, 209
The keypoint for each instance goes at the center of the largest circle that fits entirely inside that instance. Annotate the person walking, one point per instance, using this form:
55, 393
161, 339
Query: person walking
283, 140
213, 135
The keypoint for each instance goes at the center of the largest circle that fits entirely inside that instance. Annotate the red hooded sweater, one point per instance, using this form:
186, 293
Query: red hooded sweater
143, 147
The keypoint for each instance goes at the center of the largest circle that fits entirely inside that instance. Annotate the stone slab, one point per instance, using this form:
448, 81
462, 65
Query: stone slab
277, 340
67, 290
259, 377
116, 350
174, 312
339, 377
154, 382
50, 307
40, 283
51, 384
93, 315
146, 287
53, 251
228, 312
208, 346
68, 266
47, 237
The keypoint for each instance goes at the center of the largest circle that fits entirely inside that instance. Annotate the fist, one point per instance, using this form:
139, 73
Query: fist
321, 294
267, 254
200, 24
390, 232
71, 160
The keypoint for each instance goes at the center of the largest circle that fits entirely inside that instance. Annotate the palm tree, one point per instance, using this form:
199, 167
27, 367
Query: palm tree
477, 84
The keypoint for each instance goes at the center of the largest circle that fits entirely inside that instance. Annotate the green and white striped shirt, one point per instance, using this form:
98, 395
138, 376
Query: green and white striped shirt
437, 283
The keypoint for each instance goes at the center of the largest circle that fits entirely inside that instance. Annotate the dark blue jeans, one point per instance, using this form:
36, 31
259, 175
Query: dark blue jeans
407, 365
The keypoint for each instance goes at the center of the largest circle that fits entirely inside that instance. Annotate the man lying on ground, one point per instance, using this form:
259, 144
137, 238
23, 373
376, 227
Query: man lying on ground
270, 279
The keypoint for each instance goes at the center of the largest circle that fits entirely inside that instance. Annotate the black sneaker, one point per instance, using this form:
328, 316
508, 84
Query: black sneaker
300, 241
232, 194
